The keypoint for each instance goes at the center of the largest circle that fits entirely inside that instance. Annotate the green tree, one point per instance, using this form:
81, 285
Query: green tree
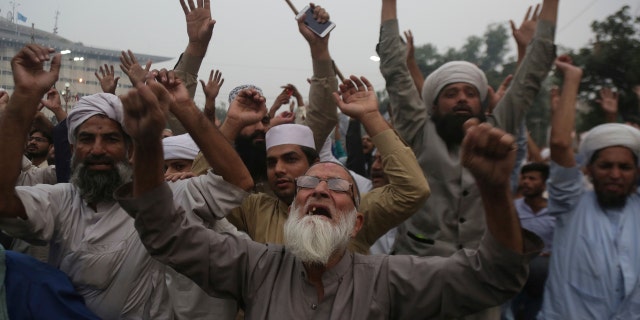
613, 60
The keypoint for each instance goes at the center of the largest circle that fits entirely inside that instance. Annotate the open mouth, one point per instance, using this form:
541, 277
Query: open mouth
316, 210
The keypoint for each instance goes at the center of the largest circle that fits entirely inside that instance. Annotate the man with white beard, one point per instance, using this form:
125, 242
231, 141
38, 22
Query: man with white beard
313, 275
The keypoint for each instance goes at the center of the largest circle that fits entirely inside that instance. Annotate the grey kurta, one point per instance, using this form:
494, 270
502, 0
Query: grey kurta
270, 283
453, 216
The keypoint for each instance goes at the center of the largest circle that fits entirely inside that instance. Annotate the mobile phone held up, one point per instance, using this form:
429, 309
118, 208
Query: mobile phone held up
321, 29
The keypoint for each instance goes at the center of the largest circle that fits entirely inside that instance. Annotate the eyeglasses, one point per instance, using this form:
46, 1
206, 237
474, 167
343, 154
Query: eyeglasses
334, 184
38, 139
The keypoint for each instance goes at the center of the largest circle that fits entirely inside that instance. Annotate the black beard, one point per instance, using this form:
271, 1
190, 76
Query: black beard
97, 186
449, 126
254, 156
610, 201
37, 154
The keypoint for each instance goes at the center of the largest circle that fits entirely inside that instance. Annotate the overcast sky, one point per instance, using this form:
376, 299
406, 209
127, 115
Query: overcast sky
257, 41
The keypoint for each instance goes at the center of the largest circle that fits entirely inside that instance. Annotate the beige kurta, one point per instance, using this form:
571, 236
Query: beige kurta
262, 216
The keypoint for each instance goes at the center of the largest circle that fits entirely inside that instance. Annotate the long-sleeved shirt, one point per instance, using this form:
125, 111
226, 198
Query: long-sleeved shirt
595, 265
262, 216
453, 216
100, 250
271, 283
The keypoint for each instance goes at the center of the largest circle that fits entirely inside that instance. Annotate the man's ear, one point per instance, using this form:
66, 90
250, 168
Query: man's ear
358, 225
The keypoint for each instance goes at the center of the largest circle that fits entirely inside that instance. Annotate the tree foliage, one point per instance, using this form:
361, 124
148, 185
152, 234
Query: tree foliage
613, 60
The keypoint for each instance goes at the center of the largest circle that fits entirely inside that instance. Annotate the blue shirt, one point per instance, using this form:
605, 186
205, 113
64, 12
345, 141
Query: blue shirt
596, 257
36, 290
540, 223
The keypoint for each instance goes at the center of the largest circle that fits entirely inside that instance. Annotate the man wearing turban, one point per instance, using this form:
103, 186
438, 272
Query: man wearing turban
92, 238
431, 122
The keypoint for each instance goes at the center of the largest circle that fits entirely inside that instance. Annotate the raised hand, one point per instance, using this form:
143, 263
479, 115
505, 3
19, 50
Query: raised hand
130, 66
212, 87
108, 81
199, 26
248, 108
608, 101
29, 77
282, 118
410, 47
145, 109
211, 90
524, 34
319, 45
564, 64
496, 96
54, 104
357, 98
489, 153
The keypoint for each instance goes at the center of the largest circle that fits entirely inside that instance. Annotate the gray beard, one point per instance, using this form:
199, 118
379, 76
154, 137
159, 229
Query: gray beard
98, 186
313, 239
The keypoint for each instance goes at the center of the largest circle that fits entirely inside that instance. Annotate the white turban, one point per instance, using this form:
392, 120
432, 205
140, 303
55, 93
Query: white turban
453, 72
180, 147
289, 134
610, 135
88, 106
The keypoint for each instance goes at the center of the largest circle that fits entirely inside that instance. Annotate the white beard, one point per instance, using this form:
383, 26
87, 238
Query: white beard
314, 239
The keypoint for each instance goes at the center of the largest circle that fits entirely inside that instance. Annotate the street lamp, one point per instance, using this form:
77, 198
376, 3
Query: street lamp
66, 94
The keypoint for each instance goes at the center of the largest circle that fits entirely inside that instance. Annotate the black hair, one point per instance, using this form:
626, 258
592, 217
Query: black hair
311, 154
541, 167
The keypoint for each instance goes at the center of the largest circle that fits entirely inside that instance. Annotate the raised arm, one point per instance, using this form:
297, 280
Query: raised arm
489, 153
534, 68
216, 149
54, 104
524, 33
211, 90
412, 64
322, 114
563, 114
145, 109
31, 83
385, 207
409, 113
608, 102
199, 31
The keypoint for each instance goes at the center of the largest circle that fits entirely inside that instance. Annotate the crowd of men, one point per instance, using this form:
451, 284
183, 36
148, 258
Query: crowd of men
143, 206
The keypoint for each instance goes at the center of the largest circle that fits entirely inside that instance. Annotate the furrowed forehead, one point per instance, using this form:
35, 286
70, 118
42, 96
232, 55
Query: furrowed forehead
329, 169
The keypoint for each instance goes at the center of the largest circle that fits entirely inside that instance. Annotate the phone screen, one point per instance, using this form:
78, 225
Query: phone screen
319, 28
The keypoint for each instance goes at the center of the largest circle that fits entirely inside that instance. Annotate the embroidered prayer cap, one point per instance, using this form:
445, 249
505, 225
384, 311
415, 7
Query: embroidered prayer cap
289, 134
609, 135
453, 72
234, 93
180, 147
88, 106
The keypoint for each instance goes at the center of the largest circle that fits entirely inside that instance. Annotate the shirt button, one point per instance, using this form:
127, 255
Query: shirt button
462, 220
460, 246
314, 306
465, 193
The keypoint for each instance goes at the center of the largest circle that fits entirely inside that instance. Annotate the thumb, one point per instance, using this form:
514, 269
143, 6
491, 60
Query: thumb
55, 65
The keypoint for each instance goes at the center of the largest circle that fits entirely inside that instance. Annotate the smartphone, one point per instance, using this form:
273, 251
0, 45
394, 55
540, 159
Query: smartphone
321, 29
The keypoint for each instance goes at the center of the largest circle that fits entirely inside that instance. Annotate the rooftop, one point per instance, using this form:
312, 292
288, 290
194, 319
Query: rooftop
19, 34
